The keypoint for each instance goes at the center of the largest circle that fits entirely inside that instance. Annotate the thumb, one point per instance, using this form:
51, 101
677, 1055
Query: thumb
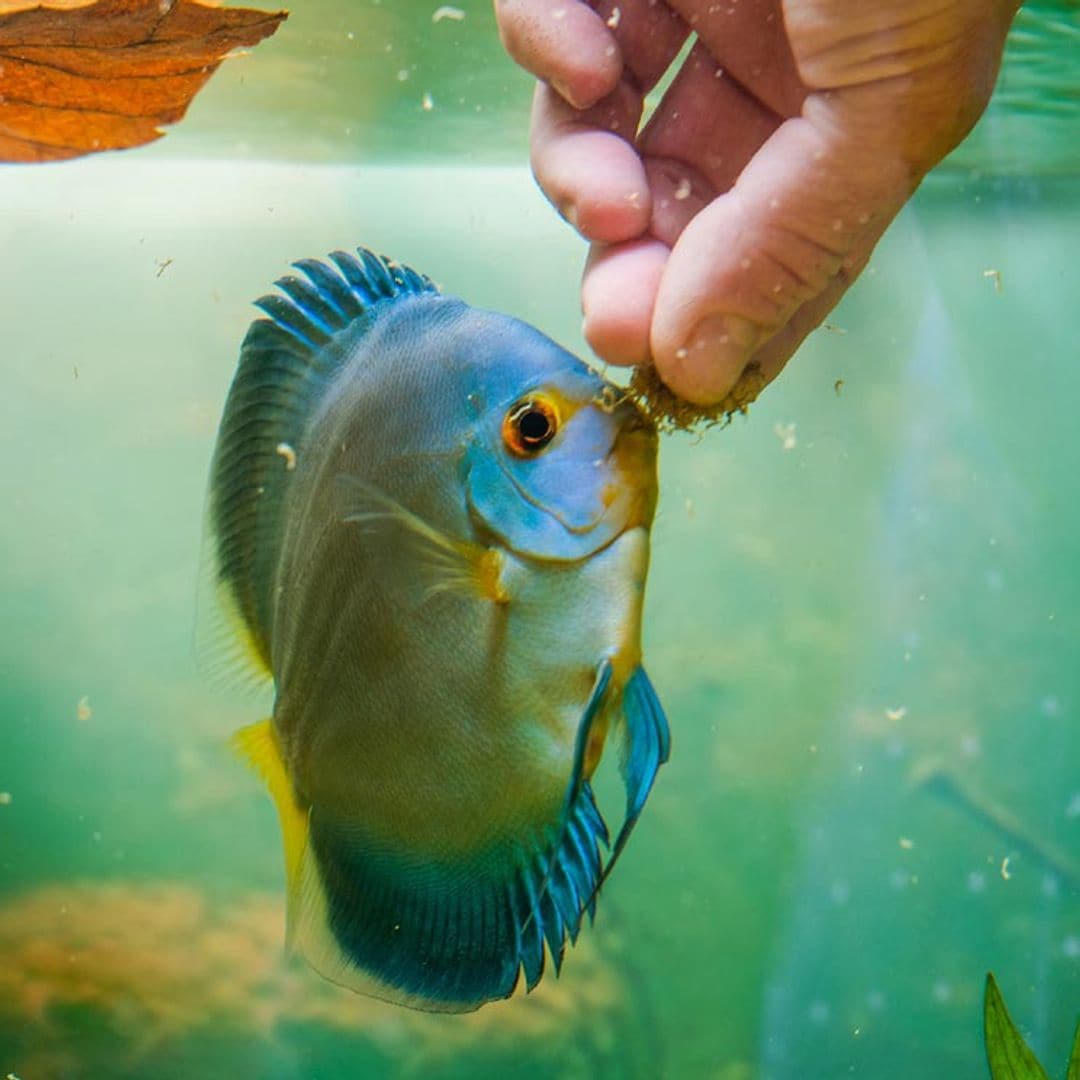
798, 224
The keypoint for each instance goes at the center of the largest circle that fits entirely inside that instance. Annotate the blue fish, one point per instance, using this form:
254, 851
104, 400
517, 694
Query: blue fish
430, 528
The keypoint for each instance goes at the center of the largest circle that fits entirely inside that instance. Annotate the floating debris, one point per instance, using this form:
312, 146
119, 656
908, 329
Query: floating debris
906, 843
786, 434
1005, 875
288, 453
614, 19
454, 14
995, 277
427, 102
83, 712
931, 775
838, 386
162, 265
896, 714
5, 798
833, 328
682, 191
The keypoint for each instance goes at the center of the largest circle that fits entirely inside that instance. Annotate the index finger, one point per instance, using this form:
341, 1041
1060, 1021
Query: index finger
564, 43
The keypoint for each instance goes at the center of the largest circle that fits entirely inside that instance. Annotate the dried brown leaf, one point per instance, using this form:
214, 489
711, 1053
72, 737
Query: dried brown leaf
105, 76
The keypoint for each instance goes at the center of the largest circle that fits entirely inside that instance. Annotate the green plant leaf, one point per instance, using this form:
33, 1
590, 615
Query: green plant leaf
1009, 1057
1074, 1060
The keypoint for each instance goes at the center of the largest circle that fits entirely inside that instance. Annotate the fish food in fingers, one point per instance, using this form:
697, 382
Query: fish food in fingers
429, 526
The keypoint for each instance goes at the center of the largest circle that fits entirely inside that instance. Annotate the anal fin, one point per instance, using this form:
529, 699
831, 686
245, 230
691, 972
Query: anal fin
258, 745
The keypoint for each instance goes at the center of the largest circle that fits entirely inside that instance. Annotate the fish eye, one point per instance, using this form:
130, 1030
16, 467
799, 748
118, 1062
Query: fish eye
529, 426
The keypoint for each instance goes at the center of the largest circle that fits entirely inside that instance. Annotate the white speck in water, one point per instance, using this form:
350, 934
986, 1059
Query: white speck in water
402, 74
896, 714
681, 354
1006, 873
5, 798
454, 14
786, 434
899, 880
906, 843
682, 191
427, 102
614, 18
288, 453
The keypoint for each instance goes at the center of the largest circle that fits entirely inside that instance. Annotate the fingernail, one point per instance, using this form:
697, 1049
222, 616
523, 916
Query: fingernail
714, 355
569, 213
567, 95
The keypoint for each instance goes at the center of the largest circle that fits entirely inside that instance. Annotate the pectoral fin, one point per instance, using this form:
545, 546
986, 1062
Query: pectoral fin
450, 564
646, 746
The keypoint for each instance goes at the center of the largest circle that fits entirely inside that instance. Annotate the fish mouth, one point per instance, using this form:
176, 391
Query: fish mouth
633, 455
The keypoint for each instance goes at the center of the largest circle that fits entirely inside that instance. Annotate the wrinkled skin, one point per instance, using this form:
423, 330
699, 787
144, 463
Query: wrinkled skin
728, 227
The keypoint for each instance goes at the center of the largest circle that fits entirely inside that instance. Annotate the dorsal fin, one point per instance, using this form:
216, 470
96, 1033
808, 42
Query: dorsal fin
285, 363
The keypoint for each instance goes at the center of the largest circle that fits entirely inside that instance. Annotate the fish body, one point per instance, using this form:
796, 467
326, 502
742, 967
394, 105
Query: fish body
431, 526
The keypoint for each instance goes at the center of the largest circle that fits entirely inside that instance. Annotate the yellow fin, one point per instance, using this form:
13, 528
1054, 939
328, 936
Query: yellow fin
227, 650
258, 745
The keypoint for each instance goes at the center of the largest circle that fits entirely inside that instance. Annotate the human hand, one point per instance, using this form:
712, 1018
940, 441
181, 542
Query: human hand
728, 227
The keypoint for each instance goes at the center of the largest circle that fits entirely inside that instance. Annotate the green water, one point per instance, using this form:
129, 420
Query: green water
867, 642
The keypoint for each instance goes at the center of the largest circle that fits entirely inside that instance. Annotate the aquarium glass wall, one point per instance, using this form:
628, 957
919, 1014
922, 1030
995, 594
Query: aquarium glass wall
863, 612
